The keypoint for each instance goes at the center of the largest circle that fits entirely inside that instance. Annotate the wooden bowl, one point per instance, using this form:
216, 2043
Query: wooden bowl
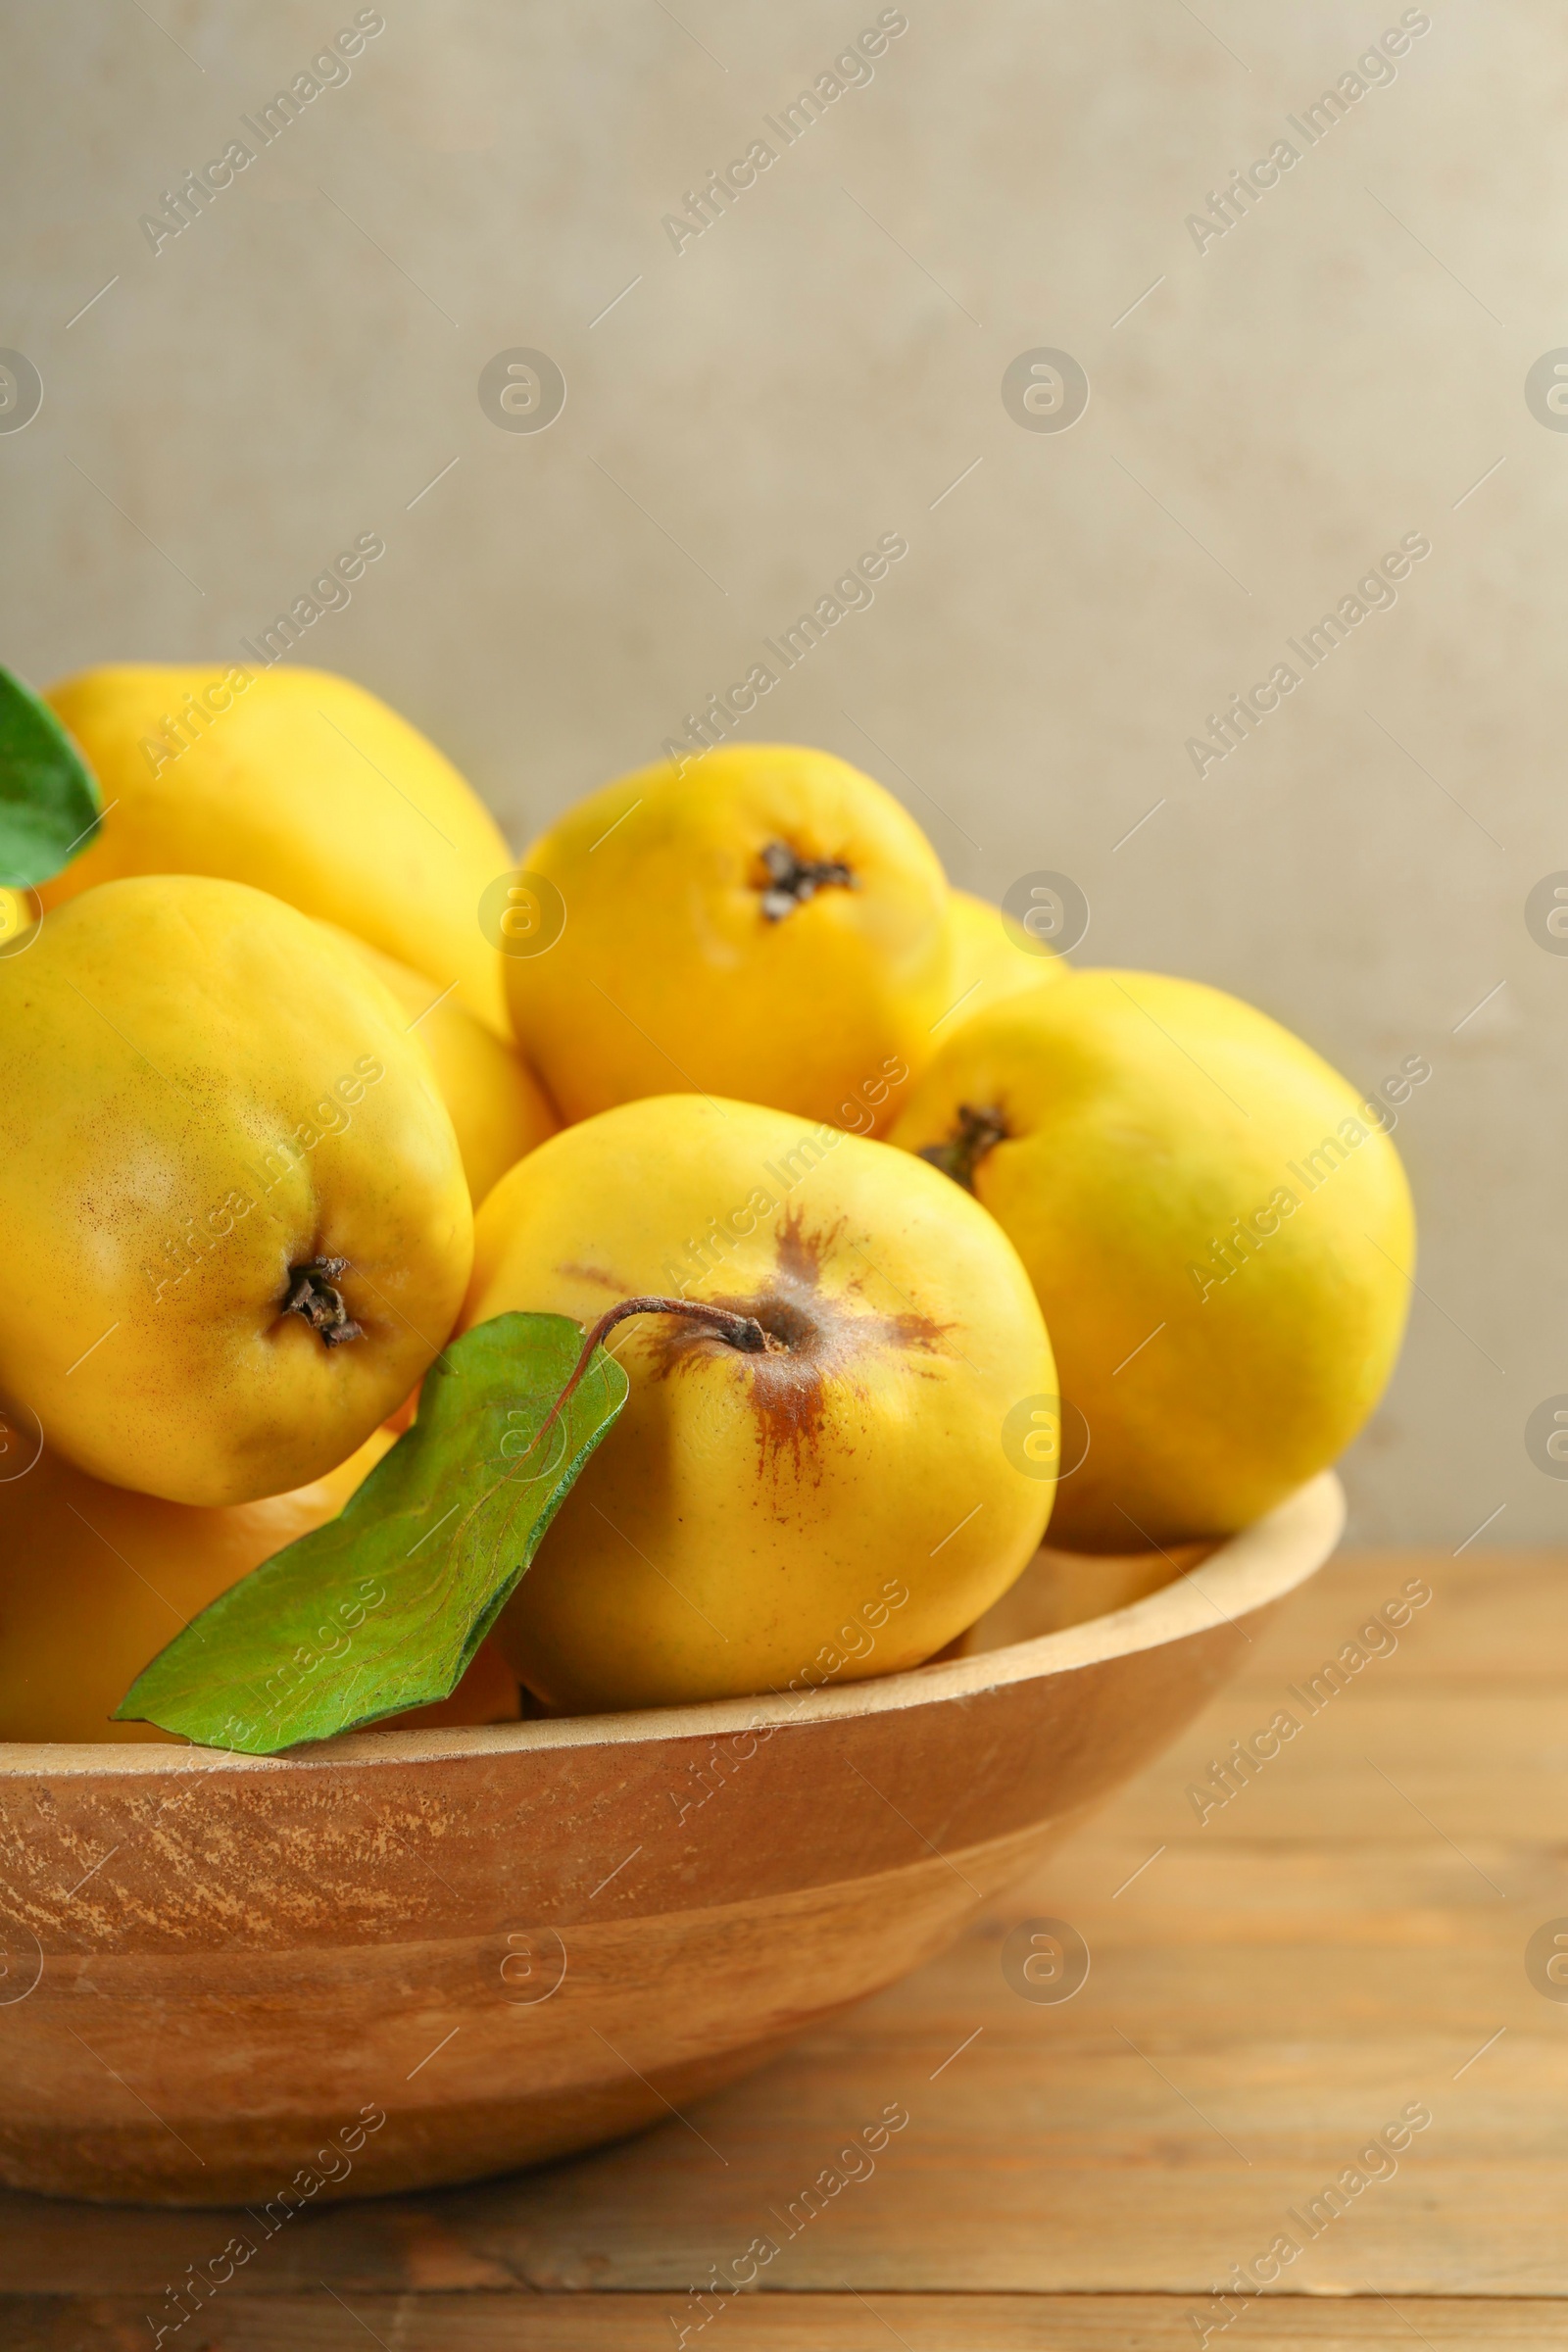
405, 1958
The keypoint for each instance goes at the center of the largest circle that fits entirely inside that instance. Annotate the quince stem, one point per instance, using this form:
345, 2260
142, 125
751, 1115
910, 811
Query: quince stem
737, 1331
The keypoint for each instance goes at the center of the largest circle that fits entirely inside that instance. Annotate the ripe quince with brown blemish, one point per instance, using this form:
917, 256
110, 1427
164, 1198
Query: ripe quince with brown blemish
835, 1498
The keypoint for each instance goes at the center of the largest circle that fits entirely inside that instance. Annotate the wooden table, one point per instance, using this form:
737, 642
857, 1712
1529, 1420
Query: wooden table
1341, 1941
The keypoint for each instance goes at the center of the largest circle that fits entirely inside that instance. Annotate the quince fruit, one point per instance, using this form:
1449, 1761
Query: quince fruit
497, 1104
986, 963
770, 926
1217, 1228
302, 784
840, 1500
95, 1581
238, 1227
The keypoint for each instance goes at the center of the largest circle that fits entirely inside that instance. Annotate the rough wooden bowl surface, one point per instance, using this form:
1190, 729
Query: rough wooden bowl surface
504, 1943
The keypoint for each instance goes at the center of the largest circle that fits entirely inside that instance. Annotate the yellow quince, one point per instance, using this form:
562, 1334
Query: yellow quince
236, 1223
1217, 1228
301, 783
769, 926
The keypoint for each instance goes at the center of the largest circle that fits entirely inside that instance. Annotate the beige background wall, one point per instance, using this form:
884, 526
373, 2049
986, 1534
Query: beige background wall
1337, 371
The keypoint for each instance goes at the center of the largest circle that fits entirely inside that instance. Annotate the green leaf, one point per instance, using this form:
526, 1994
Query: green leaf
48, 795
384, 1607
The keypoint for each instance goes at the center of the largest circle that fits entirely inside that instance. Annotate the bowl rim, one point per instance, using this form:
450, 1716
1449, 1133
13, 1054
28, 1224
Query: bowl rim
1247, 1572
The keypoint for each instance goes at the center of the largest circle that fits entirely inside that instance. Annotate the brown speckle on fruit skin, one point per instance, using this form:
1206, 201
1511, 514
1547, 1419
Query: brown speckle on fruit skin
598, 1276
822, 1337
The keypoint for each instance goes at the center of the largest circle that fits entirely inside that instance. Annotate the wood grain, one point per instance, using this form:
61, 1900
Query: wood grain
329, 2321
1269, 1990
416, 1957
